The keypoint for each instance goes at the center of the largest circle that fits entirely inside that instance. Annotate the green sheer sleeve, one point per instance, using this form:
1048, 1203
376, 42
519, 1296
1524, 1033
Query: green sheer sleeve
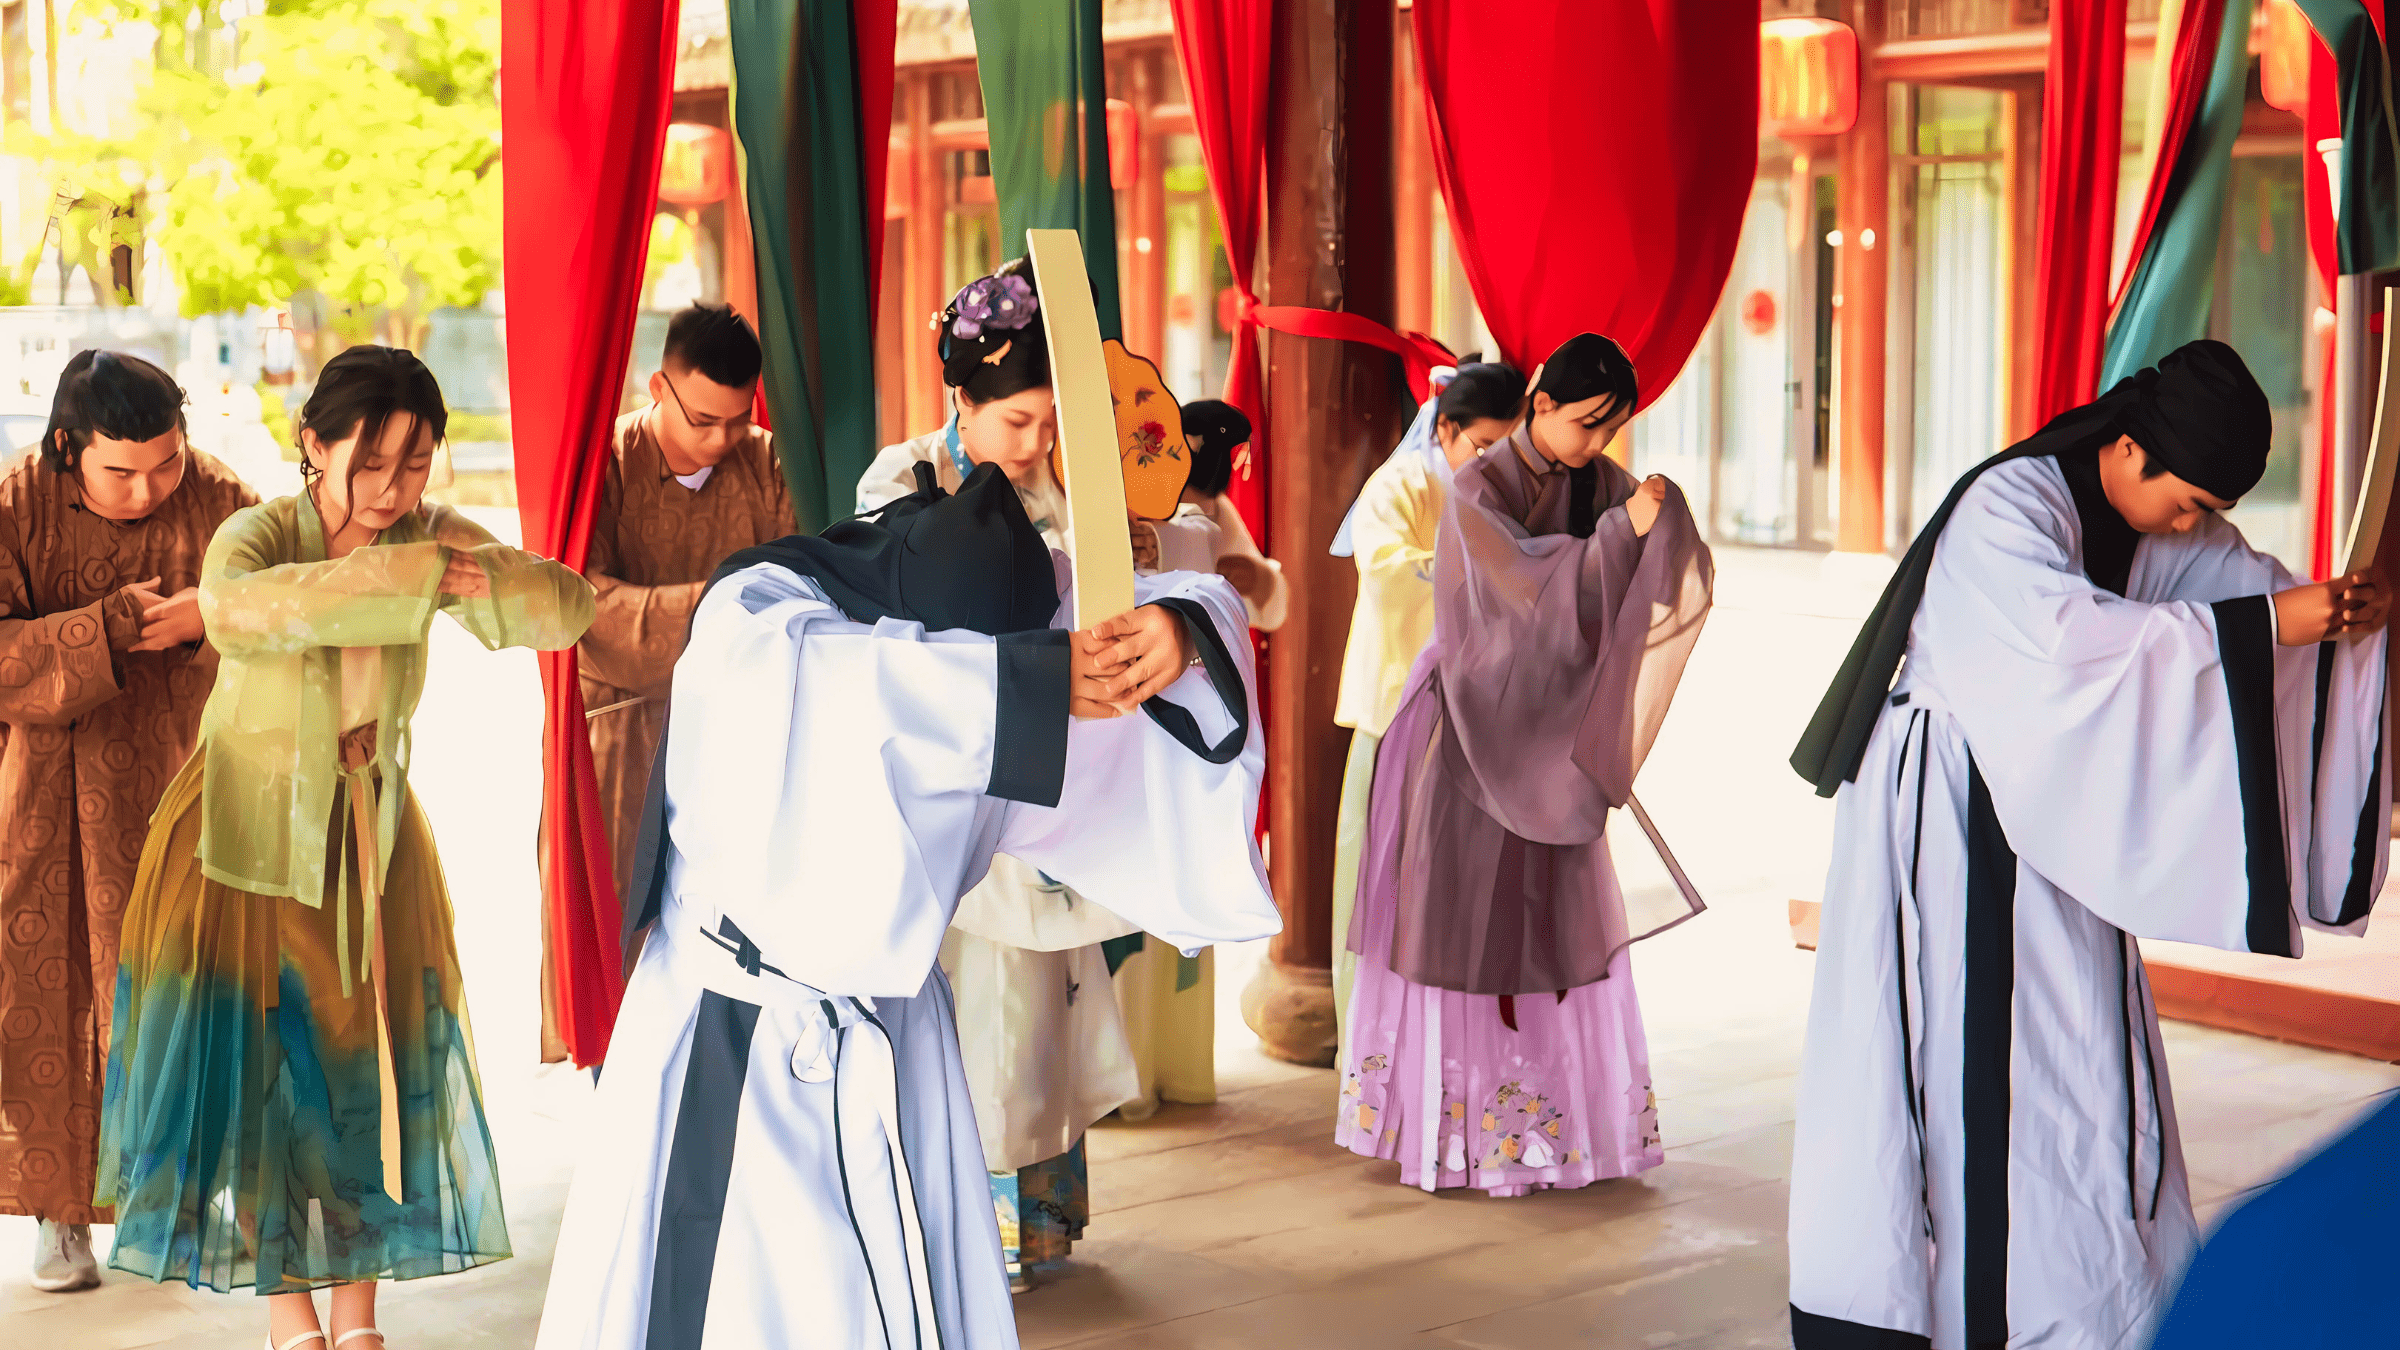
380, 596
535, 601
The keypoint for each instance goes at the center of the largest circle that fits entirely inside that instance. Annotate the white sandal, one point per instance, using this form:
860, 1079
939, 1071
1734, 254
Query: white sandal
299, 1340
351, 1335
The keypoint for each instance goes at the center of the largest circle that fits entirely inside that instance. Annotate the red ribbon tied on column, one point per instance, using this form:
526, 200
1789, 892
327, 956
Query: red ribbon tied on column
1418, 353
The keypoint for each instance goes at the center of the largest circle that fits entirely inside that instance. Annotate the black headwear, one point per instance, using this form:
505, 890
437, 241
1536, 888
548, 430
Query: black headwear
2200, 413
1586, 366
1215, 430
968, 559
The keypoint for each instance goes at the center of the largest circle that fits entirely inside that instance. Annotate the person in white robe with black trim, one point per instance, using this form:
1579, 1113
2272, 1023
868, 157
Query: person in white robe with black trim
783, 1151
2116, 721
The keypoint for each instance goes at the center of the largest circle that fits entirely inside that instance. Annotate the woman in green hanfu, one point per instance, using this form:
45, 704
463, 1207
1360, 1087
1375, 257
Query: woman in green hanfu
292, 1101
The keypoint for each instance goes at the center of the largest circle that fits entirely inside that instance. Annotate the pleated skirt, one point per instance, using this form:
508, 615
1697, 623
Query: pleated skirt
241, 1135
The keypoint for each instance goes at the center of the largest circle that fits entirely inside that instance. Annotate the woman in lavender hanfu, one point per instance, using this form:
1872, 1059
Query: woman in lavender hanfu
1493, 1039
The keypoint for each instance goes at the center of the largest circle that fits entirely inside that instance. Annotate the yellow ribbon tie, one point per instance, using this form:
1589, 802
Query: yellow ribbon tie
358, 763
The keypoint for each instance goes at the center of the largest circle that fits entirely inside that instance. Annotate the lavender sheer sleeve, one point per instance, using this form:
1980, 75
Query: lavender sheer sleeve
1553, 661
1549, 640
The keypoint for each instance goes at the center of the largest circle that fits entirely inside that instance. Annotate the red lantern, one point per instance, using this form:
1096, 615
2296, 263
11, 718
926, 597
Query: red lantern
1758, 313
2287, 41
698, 168
1807, 77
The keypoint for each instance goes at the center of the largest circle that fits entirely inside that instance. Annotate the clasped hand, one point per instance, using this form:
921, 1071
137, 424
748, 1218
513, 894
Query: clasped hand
167, 620
2357, 603
464, 577
1119, 662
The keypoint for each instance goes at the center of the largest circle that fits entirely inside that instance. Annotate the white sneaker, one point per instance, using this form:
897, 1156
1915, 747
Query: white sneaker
62, 1258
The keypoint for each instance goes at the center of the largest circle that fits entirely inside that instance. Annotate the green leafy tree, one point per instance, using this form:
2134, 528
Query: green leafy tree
348, 149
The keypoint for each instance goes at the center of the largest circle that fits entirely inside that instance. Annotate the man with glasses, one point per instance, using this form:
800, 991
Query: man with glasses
692, 481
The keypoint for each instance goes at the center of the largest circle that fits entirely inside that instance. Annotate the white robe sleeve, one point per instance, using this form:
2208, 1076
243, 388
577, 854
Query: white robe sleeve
2330, 732
1014, 906
2152, 757
1146, 827
826, 781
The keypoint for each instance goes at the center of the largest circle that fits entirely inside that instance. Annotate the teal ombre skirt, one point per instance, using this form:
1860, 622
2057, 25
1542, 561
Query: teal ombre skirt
1043, 1210
241, 1139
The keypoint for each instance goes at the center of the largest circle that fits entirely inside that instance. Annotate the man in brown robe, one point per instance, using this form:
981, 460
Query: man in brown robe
102, 674
690, 482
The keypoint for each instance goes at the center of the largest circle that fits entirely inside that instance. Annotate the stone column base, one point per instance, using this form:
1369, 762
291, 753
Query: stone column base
1291, 1009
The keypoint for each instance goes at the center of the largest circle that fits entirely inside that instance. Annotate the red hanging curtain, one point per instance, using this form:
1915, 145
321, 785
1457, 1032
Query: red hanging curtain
1596, 157
875, 28
2193, 60
2322, 122
585, 92
2083, 111
1226, 49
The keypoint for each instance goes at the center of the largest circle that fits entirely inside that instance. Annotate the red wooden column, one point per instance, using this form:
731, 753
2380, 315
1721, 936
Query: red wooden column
1859, 290
1334, 410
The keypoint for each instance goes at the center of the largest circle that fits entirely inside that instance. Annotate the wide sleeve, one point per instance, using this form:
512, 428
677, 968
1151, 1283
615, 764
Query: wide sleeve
1187, 541
56, 667
893, 475
637, 631
534, 602
1392, 531
829, 785
1267, 611
379, 596
1016, 906
1550, 640
2331, 726
1145, 827
2149, 757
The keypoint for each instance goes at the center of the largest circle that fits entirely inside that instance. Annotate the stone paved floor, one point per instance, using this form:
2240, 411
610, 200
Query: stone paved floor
1241, 1224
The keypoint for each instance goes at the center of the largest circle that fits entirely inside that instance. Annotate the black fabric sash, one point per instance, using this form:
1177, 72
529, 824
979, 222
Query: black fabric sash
699, 1169
1835, 742
2246, 651
1813, 1332
2358, 896
1223, 675
1990, 1018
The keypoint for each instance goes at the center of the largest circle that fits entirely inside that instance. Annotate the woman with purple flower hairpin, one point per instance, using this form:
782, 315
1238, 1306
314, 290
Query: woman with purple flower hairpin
1040, 1029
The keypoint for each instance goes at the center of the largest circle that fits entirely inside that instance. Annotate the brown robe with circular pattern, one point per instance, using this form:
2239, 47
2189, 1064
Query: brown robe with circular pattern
90, 735
655, 543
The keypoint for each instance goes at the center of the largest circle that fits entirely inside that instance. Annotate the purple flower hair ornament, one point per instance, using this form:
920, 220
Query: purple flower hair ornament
1001, 303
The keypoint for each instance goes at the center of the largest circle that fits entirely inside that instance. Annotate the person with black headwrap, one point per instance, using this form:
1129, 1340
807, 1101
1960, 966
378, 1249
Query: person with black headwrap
2085, 712
1493, 1040
1212, 536
784, 1150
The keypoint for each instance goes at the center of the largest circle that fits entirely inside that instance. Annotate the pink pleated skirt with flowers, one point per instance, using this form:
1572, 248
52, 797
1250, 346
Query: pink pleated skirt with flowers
1441, 1083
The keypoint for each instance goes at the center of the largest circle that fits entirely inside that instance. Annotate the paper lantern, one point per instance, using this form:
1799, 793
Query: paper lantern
1758, 313
2284, 49
1807, 77
698, 168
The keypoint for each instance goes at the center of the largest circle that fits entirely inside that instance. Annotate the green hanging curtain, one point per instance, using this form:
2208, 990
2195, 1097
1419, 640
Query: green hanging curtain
2367, 227
2174, 283
796, 101
1045, 100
